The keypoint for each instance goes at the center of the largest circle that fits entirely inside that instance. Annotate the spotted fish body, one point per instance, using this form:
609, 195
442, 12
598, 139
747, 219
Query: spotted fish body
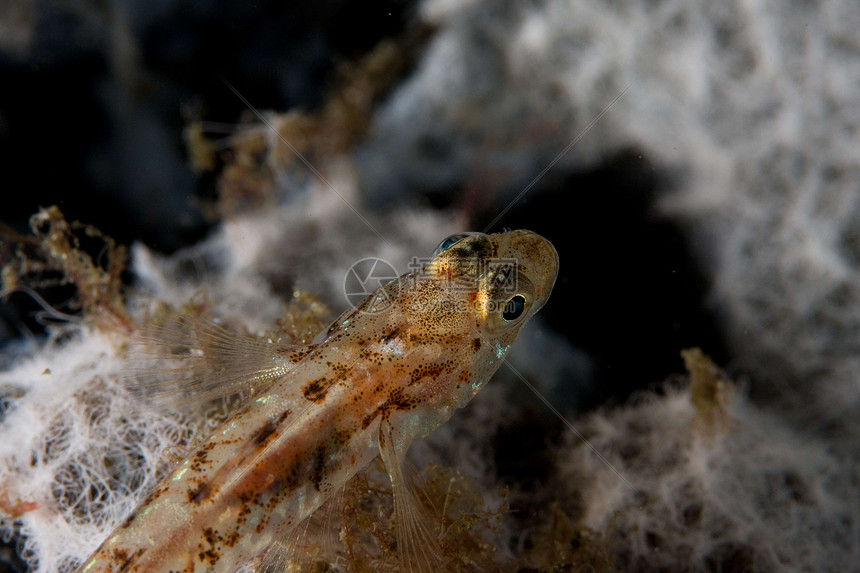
386, 373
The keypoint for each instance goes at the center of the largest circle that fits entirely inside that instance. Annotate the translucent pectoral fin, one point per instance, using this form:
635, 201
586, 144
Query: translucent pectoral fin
310, 544
192, 359
417, 543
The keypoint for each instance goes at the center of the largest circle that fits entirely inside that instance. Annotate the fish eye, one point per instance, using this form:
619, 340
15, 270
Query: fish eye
514, 307
451, 240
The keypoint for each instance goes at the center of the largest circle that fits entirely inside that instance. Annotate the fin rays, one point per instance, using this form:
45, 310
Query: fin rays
417, 545
200, 360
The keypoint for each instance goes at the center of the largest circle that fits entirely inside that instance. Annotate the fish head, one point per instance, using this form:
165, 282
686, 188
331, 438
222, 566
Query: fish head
504, 277
494, 283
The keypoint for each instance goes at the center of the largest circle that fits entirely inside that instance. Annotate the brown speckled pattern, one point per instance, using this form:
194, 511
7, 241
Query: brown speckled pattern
408, 366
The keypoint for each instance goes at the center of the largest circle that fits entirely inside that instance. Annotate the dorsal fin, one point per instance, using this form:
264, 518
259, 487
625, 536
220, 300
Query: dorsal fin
188, 359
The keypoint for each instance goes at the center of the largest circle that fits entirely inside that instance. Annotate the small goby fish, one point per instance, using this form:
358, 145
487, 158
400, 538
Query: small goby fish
386, 373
